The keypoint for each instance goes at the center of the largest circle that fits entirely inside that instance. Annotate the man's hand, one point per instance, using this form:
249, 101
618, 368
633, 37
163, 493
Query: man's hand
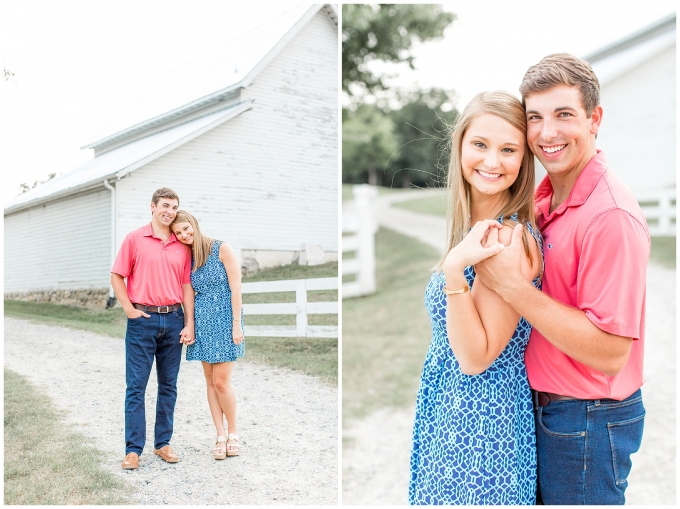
497, 272
133, 312
187, 336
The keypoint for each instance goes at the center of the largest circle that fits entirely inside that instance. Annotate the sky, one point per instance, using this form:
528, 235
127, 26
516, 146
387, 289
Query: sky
76, 63
492, 43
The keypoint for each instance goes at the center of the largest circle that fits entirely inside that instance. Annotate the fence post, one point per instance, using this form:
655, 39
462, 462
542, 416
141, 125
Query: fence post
301, 308
364, 195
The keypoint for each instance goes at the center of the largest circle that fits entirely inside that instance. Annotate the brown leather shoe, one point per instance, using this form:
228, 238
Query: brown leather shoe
167, 454
131, 461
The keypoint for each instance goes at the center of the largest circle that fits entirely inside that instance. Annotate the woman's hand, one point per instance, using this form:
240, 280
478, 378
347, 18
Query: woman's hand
237, 333
480, 243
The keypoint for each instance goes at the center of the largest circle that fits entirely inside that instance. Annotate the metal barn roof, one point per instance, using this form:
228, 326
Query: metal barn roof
120, 161
623, 55
181, 91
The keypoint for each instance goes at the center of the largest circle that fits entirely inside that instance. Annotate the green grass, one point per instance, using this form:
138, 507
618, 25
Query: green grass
46, 462
663, 251
435, 205
314, 356
386, 335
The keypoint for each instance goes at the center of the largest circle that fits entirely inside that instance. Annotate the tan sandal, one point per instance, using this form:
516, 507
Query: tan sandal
220, 453
232, 449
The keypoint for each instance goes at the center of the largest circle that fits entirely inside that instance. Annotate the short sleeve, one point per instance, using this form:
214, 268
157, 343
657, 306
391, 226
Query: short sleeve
612, 273
125, 258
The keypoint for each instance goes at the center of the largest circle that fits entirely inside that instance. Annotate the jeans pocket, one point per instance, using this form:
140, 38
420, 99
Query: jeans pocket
624, 439
561, 424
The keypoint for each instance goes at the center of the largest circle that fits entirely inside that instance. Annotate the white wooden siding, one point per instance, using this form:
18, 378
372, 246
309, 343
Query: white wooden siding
638, 126
63, 244
267, 179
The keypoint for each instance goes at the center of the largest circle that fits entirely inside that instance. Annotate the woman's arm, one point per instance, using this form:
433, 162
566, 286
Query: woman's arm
233, 268
480, 324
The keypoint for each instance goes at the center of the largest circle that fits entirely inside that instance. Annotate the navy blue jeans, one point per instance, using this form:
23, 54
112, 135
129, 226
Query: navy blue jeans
146, 338
584, 449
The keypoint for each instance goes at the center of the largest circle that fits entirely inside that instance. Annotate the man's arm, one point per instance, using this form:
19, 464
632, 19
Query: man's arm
119, 288
567, 328
187, 336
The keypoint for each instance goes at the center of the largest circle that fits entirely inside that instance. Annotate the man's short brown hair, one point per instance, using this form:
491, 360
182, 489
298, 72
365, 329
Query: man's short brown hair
164, 192
563, 69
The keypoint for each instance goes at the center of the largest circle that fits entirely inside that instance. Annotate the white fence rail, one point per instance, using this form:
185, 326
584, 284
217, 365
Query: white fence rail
361, 225
658, 207
301, 308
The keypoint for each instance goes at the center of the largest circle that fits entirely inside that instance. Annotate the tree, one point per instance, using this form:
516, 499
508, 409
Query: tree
384, 32
422, 129
25, 187
368, 142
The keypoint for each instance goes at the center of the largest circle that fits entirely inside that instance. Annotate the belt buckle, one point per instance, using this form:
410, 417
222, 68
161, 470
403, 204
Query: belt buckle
167, 309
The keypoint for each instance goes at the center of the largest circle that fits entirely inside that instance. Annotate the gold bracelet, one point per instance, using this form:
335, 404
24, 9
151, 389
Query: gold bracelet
466, 288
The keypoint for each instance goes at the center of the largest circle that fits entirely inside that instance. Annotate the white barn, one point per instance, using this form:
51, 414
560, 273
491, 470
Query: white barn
638, 134
637, 93
246, 134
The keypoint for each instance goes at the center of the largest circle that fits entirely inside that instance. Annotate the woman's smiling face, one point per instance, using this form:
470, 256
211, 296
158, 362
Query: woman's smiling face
184, 232
491, 154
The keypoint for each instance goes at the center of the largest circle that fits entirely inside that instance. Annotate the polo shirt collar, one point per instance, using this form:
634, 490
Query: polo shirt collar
147, 231
584, 185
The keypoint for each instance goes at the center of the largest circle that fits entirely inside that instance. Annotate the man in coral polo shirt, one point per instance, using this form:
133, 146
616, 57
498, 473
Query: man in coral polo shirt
584, 359
158, 270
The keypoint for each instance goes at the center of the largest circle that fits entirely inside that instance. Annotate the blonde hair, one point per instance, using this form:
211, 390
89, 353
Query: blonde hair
200, 249
563, 69
507, 107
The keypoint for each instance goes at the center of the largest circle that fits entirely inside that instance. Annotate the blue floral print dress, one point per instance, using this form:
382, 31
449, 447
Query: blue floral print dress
474, 439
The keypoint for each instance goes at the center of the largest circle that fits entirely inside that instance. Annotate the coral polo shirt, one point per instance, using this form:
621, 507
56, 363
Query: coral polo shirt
596, 247
155, 271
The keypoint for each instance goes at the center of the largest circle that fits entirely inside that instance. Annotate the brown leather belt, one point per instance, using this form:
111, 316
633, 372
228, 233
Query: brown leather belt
157, 309
544, 398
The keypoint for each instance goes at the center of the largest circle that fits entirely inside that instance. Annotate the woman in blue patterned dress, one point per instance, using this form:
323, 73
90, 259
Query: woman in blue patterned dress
216, 279
473, 436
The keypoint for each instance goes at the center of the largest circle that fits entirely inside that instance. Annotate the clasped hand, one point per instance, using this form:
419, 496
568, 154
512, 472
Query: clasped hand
480, 243
187, 336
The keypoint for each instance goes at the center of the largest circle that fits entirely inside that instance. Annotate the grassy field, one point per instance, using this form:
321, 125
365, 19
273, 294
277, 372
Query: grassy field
39, 443
434, 204
314, 356
386, 335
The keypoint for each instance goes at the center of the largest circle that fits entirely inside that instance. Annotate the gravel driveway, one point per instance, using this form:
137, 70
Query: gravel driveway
288, 422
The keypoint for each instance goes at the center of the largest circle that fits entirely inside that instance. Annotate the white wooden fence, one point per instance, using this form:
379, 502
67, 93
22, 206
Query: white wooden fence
301, 308
658, 207
361, 225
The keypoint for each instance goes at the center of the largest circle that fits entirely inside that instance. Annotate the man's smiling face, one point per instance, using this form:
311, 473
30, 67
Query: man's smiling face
558, 131
166, 210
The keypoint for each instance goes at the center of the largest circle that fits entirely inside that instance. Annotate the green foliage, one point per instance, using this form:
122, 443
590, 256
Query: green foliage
368, 141
25, 187
384, 32
421, 128
399, 148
